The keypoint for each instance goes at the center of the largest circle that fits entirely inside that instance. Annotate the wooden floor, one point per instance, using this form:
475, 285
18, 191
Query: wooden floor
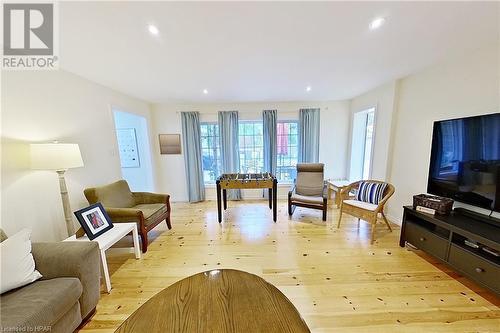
335, 278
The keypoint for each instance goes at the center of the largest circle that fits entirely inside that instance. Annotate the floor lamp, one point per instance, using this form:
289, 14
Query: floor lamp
58, 157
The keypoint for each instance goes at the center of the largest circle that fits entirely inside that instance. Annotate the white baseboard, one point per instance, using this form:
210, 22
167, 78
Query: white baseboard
394, 219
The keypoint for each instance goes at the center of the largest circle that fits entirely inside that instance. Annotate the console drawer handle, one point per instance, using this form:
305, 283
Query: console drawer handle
479, 270
422, 239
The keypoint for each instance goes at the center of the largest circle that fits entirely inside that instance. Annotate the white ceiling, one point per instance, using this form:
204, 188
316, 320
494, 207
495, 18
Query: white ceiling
264, 51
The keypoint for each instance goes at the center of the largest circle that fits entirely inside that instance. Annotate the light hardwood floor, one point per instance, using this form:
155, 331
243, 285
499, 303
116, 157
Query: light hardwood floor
335, 278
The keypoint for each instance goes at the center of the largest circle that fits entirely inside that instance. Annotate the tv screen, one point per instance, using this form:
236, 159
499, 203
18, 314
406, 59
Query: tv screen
465, 160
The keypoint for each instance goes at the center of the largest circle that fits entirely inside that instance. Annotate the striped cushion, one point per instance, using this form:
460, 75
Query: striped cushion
371, 192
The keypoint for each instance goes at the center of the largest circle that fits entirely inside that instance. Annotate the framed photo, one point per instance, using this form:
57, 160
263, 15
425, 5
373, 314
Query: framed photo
170, 144
94, 220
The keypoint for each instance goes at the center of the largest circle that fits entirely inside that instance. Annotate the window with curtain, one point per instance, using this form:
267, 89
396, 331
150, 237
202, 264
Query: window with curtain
210, 152
287, 151
251, 149
251, 146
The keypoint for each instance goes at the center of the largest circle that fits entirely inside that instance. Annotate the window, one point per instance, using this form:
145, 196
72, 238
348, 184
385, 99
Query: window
210, 151
362, 144
251, 146
287, 150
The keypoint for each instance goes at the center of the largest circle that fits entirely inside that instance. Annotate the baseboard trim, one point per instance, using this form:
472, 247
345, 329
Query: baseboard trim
394, 219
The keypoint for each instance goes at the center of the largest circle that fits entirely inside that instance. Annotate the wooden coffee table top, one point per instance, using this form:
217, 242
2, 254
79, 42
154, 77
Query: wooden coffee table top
224, 300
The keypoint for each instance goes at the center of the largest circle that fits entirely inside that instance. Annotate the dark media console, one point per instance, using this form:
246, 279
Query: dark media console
462, 239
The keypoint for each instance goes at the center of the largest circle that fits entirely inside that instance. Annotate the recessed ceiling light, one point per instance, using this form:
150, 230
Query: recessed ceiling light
308, 88
377, 23
205, 91
153, 29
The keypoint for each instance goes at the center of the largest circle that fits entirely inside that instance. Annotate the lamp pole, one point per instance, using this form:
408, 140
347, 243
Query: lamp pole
70, 227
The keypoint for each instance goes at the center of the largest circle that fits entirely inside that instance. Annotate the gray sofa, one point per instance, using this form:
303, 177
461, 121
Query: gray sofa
67, 293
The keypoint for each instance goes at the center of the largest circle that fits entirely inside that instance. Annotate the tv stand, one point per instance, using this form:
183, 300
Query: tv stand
463, 241
477, 216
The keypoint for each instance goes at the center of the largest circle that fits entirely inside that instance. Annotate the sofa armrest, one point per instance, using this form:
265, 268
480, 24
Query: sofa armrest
72, 259
150, 198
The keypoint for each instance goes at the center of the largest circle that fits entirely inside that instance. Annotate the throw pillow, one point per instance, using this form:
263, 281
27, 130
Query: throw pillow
17, 263
371, 192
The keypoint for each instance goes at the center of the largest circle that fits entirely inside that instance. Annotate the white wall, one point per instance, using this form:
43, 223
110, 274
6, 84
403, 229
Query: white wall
41, 106
139, 178
383, 99
465, 86
333, 132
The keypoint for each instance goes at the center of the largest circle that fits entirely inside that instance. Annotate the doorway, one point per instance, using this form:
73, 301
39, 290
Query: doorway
363, 127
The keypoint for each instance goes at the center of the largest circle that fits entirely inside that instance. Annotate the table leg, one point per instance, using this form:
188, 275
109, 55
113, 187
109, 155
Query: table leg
337, 196
219, 209
224, 198
105, 271
135, 237
270, 196
275, 197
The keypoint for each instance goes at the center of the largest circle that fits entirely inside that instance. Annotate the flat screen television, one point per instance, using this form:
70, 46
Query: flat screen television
465, 160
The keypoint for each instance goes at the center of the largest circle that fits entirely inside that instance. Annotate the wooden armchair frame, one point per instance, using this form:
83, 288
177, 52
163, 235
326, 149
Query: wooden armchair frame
365, 214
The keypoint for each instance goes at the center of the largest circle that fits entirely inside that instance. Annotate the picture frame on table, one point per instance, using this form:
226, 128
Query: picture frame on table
94, 220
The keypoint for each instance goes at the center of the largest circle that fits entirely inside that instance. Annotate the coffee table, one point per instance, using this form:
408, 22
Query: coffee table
108, 239
221, 300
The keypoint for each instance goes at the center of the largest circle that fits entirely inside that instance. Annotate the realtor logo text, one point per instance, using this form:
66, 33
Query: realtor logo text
29, 36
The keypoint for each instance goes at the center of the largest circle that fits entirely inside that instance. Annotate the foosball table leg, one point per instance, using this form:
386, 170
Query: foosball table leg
275, 197
270, 196
219, 210
224, 198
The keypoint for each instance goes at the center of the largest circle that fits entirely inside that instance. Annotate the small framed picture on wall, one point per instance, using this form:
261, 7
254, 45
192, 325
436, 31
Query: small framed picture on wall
170, 144
94, 220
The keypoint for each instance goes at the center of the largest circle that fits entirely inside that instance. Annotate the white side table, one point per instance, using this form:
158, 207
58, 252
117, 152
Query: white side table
337, 186
108, 239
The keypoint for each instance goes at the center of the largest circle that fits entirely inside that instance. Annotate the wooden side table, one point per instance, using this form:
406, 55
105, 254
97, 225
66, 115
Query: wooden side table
336, 186
108, 239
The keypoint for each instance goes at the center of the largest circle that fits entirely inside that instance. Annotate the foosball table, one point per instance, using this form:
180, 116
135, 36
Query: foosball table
232, 181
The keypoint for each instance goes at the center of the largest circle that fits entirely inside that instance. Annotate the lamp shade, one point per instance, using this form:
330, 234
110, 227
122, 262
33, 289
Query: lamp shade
55, 156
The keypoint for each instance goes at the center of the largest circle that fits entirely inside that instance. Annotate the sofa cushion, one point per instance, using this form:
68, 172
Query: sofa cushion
41, 303
3, 236
151, 211
361, 204
307, 199
115, 195
310, 179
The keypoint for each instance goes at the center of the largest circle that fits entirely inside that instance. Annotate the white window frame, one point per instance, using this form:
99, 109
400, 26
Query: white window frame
296, 121
209, 182
250, 121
